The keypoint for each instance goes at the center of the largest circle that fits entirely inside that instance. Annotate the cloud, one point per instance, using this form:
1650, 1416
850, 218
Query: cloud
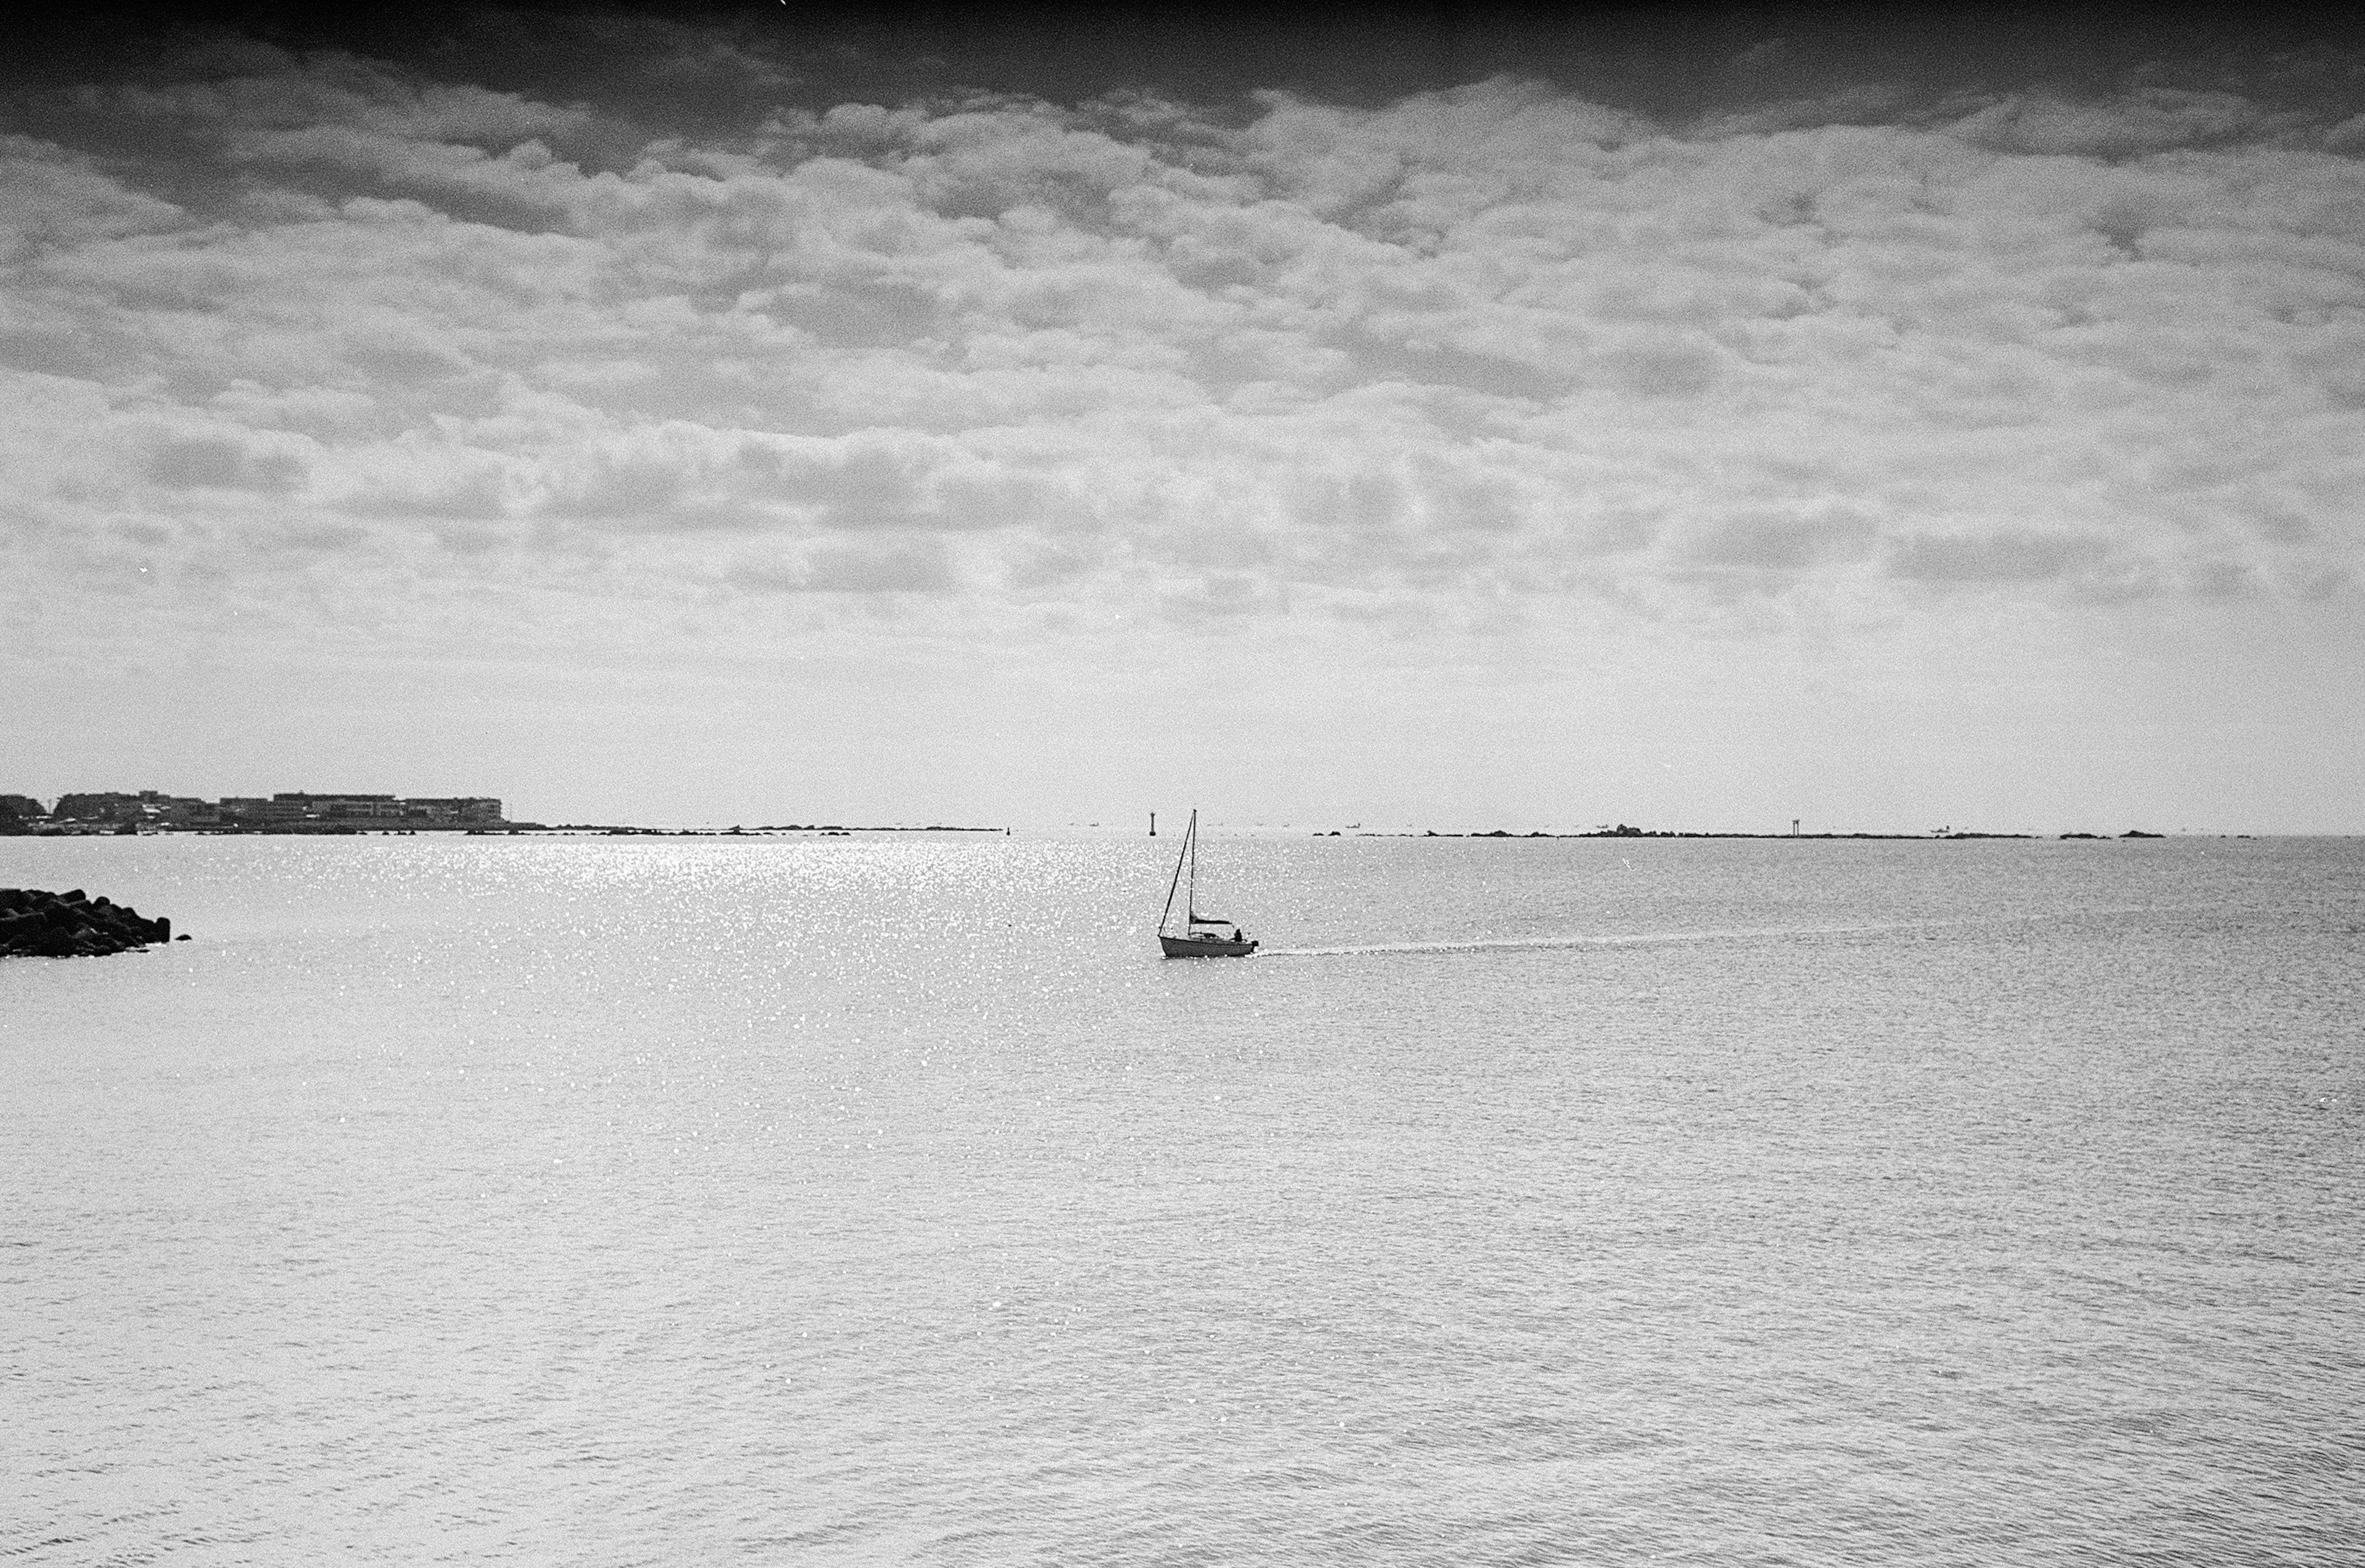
1862, 105
2005, 556
1472, 351
1671, 367
50, 195
244, 110
2150, 121
867, 567
217, 462
1787, 542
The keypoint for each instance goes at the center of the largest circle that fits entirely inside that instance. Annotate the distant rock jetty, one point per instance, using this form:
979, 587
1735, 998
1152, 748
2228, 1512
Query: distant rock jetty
1622, 831
37, 923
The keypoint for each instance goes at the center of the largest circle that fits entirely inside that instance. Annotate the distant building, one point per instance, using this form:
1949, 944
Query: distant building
342, 808
453, 809
174, 810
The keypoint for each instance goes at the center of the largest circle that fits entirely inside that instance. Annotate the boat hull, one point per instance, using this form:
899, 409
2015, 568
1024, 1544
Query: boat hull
1204, 947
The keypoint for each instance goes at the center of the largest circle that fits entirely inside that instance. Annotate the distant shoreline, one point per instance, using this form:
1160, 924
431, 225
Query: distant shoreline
492, 830
820, 829
836, 830
1685, 832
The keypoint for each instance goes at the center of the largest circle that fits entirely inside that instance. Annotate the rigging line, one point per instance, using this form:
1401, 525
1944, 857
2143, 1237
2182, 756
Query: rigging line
1167, 913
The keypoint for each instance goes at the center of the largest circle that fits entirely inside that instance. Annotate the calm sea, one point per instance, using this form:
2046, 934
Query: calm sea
887, 1200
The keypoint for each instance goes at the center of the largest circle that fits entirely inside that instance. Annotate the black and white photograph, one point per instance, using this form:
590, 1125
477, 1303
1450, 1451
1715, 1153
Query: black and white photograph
1475, 786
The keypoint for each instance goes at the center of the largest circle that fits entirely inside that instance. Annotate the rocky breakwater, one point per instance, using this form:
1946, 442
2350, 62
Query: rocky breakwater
34, 923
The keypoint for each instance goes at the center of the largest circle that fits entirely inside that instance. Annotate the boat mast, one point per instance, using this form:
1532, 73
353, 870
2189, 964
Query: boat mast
1190, 900
1167, 913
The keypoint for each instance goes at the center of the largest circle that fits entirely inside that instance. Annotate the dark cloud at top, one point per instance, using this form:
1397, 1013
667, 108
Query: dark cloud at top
716, 62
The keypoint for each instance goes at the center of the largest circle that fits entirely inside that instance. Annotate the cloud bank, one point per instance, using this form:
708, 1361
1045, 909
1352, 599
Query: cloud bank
1479, 351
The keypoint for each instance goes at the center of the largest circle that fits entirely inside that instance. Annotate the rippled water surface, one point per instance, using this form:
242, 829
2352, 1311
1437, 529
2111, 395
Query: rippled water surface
855, 1201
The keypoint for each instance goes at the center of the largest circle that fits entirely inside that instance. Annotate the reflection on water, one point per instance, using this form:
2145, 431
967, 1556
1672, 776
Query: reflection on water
614, 1202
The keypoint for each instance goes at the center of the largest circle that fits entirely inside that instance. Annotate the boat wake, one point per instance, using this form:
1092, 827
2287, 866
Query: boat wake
1632, 939
1498, 945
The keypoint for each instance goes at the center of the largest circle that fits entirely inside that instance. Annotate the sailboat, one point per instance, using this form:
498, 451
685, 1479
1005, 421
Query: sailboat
1203, 935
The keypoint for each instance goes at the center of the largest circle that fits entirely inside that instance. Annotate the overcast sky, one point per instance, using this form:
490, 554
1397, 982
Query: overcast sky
649, 416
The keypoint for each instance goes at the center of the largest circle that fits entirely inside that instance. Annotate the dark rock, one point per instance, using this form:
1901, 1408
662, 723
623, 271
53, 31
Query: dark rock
37, 924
